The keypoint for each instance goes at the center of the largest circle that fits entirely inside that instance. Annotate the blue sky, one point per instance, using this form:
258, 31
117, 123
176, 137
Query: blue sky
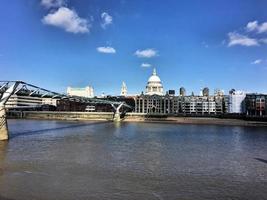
194, 44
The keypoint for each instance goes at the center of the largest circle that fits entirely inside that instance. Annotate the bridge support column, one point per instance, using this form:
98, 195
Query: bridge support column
117, 114
3, 124
117, 117
3, 120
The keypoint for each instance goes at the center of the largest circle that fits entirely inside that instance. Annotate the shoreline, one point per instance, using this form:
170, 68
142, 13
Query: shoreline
200, 121
134, 117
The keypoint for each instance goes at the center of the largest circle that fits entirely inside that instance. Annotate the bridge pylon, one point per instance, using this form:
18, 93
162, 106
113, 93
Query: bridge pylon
3, 120
117, 117
3, 124
117, 114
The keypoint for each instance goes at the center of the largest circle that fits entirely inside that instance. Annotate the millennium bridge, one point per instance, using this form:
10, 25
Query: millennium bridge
8, 88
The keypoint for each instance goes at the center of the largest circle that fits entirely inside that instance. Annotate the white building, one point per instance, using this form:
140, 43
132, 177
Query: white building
154, 85
20, 101
201, 105
236, 101
23, 101
123, 89
49, 101
81, 92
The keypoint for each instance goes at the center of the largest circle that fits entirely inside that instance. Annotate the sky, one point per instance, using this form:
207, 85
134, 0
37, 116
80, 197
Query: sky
191, 43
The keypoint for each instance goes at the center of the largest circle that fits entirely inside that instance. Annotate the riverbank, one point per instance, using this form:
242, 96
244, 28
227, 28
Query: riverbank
131, 117
198, 120
55, 115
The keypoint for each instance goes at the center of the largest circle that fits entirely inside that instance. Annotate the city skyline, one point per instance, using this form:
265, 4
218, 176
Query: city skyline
58, 43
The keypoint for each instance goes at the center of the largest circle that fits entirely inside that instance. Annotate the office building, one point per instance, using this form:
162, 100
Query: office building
81, 92
236, 101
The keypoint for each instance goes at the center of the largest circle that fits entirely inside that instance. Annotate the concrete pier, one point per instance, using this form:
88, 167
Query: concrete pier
117, 117
3, 124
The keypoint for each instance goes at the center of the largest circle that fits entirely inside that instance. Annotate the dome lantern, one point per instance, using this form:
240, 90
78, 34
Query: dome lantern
154, 72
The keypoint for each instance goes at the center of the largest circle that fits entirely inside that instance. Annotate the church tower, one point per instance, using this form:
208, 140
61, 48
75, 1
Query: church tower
123, 89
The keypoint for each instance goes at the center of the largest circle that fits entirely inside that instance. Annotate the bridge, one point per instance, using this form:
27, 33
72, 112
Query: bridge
9, 88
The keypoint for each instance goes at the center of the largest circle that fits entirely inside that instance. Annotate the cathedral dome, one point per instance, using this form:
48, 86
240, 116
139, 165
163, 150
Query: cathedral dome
154, 85
154, 77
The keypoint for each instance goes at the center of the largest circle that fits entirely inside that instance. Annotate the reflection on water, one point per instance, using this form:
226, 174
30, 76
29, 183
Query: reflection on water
88, 160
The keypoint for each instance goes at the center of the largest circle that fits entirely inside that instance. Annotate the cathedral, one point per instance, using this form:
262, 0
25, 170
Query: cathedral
154, 85
154, 101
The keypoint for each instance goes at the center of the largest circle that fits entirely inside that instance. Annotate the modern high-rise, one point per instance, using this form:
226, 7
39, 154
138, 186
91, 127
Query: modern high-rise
205, 92
182, 91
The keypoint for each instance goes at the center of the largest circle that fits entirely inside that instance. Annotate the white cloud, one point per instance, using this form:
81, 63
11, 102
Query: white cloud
147, 53
145, 65
53, 3
263, 28
106, 20
106, 49
251, 26
238, 39
258, 61
254, 26
68, 20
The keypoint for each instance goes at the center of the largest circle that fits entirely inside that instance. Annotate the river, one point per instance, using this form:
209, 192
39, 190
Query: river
54, 160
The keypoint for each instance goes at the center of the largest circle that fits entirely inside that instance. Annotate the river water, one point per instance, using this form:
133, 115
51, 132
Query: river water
54, 160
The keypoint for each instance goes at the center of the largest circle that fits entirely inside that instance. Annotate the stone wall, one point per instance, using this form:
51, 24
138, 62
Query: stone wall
61, 115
